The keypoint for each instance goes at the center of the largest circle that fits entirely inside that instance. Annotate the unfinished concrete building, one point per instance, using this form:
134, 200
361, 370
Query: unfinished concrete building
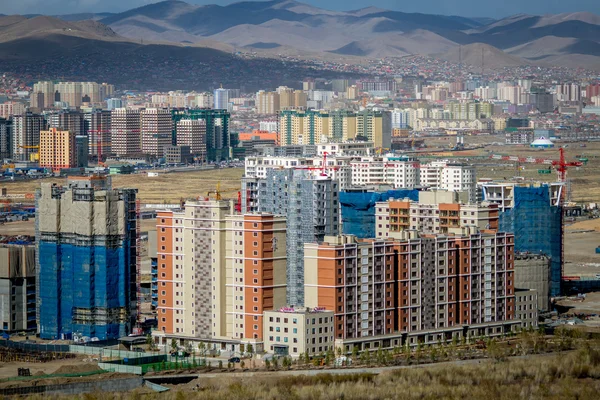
86, 247
17, 286
532, 271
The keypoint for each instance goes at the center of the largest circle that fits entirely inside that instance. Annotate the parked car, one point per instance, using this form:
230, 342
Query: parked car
235, 360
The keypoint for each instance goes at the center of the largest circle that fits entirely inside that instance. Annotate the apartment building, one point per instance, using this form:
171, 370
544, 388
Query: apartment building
6, 132
400, 172
460, 178
156, 130
267, 103
57, 149
217, 273
311, 204
192, 133
416, 285
70, 92
294, 332
26, 135
43, 95
337, 168
10, 108
97, 126
436, 212
125, 133
504, 193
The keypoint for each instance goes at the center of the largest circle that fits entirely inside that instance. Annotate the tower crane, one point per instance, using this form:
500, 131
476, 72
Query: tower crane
561, 165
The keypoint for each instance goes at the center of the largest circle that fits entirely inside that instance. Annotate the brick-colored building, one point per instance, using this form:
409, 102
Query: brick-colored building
413, 283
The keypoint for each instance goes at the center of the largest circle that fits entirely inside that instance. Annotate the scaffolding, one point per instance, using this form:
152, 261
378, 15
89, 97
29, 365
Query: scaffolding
358, 209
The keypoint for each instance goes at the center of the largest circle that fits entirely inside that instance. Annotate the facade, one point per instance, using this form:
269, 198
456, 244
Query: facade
83, 224
70, 93
376, 127
71, 121
217, 273
178, 155
217, 130
17, 287
125, 136
6, 130
532, 271
267, 102
399, 172
192, 133
298, 331
11, 108
97, 126
460, 178
156, 130
436, 212
82, 146
43, 95
57, 149
312, 209
526, 301
221, 99
26, 135
428, 283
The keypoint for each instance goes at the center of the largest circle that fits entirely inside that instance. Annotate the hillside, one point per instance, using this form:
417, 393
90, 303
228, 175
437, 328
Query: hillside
477, 53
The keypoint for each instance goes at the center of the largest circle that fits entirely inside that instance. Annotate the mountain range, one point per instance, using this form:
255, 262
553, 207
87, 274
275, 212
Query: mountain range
291, 27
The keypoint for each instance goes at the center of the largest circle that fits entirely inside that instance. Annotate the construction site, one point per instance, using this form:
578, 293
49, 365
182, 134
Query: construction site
86, 234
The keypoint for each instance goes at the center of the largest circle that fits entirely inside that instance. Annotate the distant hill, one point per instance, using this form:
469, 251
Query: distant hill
292, 27
477, 53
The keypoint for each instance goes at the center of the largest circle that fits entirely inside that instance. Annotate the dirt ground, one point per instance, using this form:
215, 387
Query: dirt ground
71, 365
591, 304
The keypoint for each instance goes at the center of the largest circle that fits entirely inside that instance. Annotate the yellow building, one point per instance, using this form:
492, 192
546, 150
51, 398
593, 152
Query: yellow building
57, 149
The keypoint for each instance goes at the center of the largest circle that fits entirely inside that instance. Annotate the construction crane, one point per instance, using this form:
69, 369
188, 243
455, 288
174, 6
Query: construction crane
216, 192
561, 165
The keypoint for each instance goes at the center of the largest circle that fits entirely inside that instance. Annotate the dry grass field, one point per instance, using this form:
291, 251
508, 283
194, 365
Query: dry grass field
167, 187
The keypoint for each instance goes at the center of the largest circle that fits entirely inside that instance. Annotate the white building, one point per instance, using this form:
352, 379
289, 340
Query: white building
268, 126
400, 118
296, 331
221, 98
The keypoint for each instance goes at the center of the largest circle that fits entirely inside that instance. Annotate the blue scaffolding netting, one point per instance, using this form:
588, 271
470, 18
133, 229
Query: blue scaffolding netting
358, 209
536, 224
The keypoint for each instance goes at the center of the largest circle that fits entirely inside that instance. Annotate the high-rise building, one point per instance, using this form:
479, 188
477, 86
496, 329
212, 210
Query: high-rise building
339, 85
43, 95
125, 136
450, 176
399, 172
17, 286
11, 108
82, 146
267, 102
6, 149
221, 99
26, 135
90, 92
568, 92
71, 121
57, 149
352, 92
156, 130
311, 206
192, 133
400, 119
106, 91
376, 126
97, 126
111, 104
86, 267
217, 130
416, 285
70, 93
218, 272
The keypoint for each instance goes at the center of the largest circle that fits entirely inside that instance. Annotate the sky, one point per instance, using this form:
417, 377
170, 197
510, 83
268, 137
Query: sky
467, 8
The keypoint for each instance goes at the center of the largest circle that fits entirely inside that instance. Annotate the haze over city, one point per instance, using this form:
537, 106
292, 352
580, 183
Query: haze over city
300, 200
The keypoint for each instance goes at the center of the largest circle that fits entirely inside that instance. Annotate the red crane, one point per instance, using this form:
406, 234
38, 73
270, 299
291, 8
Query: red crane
561, 165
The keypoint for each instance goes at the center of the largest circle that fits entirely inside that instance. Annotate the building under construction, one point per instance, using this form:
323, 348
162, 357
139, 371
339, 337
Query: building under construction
86, 235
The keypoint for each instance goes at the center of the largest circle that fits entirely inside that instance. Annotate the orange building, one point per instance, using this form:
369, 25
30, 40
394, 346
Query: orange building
217, 273
261, 135
57, 149
415, 284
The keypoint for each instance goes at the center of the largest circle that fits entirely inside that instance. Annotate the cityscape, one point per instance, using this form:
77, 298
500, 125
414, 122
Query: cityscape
269, 200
